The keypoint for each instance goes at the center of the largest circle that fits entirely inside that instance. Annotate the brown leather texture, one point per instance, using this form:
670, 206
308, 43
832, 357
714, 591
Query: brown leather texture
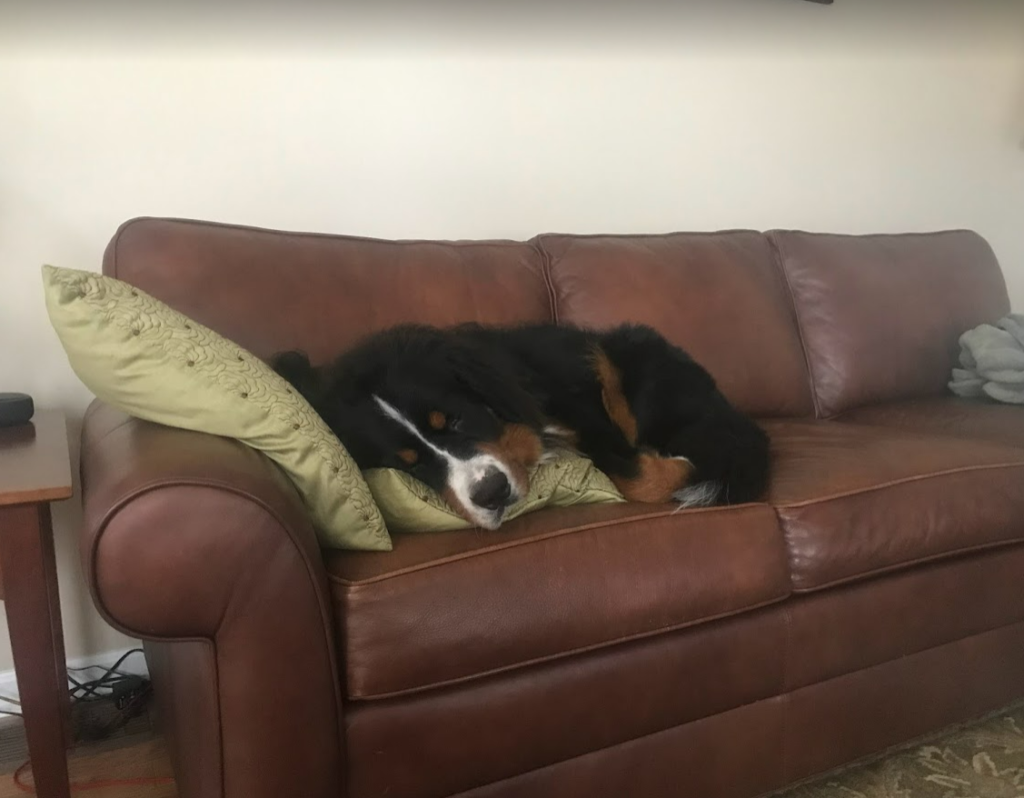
599, 651
717, 295
947, 415
860, 501
189, 712
547, 585
191, 537
444, 741
685, 761
834, 722
271, 290
880, 316
756, 748
866, 623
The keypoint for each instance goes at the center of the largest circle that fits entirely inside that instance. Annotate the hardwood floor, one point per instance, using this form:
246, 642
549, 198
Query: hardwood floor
104, 756
123, 759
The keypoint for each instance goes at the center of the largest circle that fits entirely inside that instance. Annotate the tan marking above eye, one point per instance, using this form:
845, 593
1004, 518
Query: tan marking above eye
519, 448
408, 456
521, 444
437, 419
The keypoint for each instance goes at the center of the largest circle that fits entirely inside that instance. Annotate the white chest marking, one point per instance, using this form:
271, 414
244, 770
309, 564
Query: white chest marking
463, 475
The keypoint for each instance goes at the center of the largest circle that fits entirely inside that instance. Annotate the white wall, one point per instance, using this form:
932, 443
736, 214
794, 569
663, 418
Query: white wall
772, 113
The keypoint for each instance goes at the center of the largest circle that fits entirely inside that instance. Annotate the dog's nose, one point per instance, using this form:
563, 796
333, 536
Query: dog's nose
492, 492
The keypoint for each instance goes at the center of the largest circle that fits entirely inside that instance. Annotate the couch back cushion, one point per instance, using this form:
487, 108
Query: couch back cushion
270, 290
717, 295
880, 315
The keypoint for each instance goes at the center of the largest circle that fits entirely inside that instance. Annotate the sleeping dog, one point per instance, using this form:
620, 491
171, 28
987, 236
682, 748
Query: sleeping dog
471, 410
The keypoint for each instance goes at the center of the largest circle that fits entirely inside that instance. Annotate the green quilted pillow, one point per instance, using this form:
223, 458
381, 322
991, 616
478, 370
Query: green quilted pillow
410, 506
137, 354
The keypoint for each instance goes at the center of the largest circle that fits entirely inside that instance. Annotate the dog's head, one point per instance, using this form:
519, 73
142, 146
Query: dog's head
439, 407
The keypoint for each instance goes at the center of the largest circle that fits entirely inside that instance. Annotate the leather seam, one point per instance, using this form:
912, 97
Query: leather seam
860, 236
787, 641
787, 697
949, 554
95, 441
470, 792
910, 652
220, 714
556, 533
784, 699
637, 236
548, 658
503, 243
898, 657
115, 250
216, 665
161, 482
787, 650
894, 483
545, 265
780, 256
785, 710
326, 611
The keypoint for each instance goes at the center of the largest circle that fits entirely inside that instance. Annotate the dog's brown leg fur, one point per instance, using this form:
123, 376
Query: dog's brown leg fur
615, 403
656, 480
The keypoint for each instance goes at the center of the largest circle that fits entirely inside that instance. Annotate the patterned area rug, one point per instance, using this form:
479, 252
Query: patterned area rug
982, 760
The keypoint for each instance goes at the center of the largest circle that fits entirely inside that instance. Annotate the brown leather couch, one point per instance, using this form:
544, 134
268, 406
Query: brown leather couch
602, 651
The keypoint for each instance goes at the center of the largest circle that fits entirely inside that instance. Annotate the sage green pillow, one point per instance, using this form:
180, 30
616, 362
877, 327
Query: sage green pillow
139, 355
410, 506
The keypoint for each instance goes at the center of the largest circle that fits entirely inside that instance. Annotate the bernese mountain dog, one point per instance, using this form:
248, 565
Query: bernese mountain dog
471, 410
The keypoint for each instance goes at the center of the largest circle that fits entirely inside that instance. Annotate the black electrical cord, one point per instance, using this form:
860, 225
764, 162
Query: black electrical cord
111, 677
135, 693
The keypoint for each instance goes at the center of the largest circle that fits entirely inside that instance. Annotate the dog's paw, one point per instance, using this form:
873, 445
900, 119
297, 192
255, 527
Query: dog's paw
700, 494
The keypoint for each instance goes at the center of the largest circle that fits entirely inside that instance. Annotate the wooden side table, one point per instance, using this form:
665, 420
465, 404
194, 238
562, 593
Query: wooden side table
35, 470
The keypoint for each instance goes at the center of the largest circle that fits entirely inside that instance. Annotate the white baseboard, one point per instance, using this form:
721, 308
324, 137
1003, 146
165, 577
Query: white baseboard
135, 664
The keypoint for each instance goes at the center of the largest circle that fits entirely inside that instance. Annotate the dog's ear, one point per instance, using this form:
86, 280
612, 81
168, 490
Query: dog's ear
496, 385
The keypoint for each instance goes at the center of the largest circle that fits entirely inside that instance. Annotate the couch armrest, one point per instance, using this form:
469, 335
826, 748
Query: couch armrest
200, 544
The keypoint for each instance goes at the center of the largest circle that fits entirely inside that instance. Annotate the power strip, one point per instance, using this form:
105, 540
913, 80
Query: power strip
79, 668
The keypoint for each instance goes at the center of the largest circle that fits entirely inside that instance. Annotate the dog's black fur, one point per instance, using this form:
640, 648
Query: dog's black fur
484, 381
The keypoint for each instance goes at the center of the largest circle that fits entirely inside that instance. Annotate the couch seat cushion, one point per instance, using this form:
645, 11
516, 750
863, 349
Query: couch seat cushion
947, 415
450, 606
855, 500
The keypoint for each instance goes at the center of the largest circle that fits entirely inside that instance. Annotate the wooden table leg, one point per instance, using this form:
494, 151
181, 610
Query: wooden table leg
33, 619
